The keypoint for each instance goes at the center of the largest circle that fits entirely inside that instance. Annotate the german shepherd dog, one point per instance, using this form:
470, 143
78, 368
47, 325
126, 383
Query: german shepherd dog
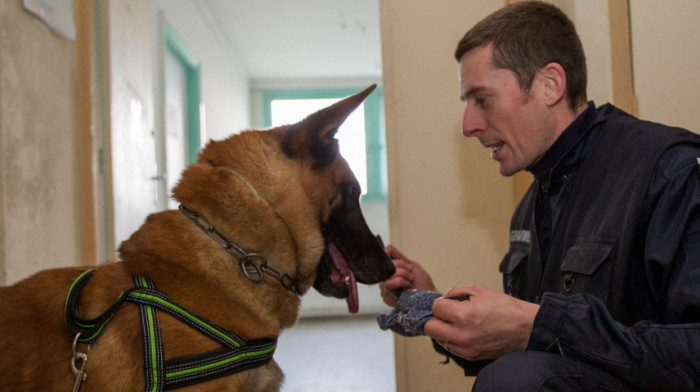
201, 294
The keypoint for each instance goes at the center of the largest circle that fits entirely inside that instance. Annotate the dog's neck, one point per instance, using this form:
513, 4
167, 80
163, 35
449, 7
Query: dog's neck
201, 265
253, 266
298, 238
272, 208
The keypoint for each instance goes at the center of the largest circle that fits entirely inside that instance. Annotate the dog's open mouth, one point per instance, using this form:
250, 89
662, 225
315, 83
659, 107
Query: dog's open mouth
343, 278
352, 255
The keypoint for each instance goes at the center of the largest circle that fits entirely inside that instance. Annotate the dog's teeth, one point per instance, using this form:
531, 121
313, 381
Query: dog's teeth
347, 279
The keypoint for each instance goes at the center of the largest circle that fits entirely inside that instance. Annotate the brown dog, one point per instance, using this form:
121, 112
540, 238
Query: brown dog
266, 215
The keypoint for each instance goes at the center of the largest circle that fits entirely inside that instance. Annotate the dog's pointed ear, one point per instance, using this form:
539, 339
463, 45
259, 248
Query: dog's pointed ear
315, 135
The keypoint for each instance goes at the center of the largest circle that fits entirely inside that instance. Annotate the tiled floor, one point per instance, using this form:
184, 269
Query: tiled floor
339, 354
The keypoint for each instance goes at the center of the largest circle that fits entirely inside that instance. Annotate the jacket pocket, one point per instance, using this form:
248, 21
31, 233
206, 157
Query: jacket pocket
516, 256
587, 266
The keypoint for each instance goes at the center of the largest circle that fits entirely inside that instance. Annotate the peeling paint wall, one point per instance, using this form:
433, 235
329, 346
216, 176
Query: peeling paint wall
39, 199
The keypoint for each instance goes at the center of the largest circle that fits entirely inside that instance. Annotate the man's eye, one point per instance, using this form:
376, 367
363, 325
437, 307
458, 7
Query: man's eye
480, 101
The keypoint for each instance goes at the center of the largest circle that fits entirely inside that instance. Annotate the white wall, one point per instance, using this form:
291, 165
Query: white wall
225, 86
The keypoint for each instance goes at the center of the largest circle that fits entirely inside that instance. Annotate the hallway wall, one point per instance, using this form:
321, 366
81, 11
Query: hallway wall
39, 210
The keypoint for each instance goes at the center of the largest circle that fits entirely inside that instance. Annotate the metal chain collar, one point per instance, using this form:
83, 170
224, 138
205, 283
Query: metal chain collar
253, 265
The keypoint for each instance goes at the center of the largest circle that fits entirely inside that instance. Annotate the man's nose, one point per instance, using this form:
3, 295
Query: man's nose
472, 122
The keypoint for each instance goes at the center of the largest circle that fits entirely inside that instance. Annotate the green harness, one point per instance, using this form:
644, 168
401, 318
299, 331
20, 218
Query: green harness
235, 355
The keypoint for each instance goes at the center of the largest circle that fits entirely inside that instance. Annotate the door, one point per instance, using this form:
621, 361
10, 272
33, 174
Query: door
152, 133
129, 144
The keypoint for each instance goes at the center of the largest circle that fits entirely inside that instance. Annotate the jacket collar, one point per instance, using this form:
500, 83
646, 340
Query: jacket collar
569, 148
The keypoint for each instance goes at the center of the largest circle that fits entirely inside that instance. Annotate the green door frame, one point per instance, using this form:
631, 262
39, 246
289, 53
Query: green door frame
175, 45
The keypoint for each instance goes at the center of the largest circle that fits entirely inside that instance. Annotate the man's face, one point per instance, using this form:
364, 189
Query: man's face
513, 124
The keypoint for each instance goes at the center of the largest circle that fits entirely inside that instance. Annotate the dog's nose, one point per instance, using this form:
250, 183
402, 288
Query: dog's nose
376, 268
388, 268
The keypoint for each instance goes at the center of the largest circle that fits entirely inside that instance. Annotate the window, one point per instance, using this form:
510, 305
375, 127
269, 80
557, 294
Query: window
361, 136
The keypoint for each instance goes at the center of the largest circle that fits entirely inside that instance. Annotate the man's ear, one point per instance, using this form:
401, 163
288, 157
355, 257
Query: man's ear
314, 136
554, 83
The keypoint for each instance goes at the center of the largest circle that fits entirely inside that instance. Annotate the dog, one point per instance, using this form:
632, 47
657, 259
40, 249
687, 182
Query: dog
200, 295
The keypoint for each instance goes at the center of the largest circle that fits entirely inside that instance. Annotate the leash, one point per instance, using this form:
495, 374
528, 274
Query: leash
235, 355
246, 261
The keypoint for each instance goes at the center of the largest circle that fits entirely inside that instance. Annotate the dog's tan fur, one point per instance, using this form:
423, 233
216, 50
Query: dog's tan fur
262, 189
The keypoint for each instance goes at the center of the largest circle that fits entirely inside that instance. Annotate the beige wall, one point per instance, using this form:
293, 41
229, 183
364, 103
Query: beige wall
591, 20
448, 208
39, 216
666, 52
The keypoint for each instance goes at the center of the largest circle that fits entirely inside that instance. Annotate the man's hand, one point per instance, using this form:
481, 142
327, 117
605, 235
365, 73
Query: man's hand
487, 326
409, 275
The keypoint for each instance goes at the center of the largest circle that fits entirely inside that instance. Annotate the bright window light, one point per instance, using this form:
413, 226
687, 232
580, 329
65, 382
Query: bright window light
351, 135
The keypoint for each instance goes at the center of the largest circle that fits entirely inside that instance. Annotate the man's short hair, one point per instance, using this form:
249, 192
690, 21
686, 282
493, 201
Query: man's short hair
526, 36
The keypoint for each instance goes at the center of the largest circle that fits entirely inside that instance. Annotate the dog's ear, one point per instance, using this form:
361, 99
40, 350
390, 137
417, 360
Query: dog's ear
315, 135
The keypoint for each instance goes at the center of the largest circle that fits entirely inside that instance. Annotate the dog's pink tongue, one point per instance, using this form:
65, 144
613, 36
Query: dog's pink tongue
345, 276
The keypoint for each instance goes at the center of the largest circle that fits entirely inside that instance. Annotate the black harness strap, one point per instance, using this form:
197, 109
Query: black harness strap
153, 357
235, 355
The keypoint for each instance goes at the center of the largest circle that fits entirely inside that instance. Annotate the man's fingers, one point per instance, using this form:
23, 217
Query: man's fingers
448, 310
441, 331
402, 264
464, 291
396, 283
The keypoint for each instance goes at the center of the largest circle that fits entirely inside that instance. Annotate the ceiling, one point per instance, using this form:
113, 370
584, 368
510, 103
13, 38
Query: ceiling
302, 39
